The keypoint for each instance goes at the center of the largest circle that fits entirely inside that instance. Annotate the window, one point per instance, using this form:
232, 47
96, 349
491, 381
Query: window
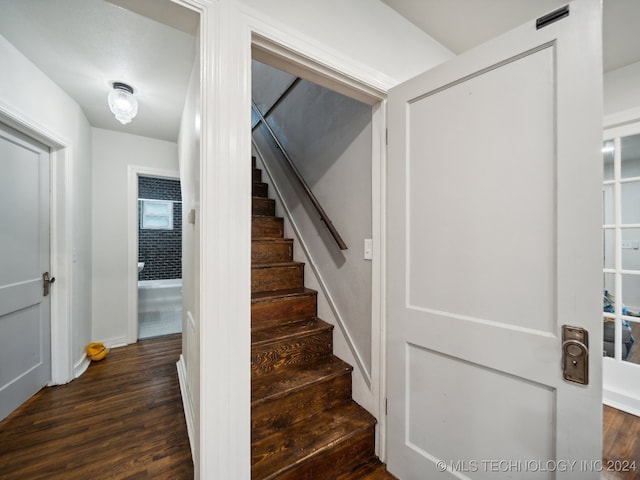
621, 234
157, 215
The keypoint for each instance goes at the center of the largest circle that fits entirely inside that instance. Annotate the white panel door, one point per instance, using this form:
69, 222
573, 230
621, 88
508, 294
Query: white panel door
25, 326
494, 213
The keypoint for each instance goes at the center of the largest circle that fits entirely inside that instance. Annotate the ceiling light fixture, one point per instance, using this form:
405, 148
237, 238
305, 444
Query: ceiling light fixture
122, 102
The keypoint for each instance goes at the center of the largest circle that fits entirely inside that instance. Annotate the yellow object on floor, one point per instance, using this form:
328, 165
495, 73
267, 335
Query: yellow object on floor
96, 351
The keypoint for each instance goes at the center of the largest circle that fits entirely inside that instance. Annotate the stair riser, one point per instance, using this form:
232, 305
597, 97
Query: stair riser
260, 190
269, 357
275, 311
281, 412
338, 459
265, 252
277, 278
267, 227
263, 206
257, 175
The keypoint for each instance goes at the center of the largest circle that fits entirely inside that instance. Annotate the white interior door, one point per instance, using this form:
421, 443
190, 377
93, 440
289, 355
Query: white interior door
25, 328
494, 243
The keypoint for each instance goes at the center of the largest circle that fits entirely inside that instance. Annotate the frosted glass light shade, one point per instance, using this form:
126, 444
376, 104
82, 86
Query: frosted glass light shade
122, 103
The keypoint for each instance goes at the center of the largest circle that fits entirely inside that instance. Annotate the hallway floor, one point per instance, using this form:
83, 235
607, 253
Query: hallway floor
159, 322
122, 419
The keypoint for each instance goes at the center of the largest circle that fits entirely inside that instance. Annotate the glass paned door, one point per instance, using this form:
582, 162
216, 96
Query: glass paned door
621, 247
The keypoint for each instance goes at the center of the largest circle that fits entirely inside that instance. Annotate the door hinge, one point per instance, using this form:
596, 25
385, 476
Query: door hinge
386, 406
46, 283
386, 136
552, 17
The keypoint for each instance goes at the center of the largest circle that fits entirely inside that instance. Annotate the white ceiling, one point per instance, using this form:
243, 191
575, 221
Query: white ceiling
85, 45
462, 24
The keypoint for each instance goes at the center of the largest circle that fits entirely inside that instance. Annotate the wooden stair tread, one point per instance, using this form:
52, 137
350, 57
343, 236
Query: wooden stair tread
302, 328
271, 240
276, 264
372, 469
278, 294
286, 449
284, 381
304, 422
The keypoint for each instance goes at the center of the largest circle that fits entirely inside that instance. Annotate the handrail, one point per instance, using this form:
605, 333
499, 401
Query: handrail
323, 215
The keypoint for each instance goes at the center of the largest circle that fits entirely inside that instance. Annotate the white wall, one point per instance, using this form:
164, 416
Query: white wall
113, 154
357, 35
189, 159
28, 94
622, 89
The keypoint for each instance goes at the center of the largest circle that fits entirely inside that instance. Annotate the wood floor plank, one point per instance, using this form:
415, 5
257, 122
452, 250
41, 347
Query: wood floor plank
621, 445
122, 419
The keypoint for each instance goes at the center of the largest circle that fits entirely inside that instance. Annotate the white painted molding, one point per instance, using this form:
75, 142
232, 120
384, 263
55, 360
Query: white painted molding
278, 34
281, 57
187, 403
133, 172
621, 118
379, 273
621, 401
62, 368
115, 342
366, 374
81, 366
224, 216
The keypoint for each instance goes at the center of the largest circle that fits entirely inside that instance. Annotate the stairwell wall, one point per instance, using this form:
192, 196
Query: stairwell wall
329, 138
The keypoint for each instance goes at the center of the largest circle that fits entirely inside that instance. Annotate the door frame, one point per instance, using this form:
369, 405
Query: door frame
286, 51
133, 172
60, 239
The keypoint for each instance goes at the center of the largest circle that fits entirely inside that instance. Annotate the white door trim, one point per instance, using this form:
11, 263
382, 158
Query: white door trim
300, 57
222, 409
62, 369
133, 172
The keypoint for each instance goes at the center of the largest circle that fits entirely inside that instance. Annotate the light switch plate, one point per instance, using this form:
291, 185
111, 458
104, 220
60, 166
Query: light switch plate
368, 249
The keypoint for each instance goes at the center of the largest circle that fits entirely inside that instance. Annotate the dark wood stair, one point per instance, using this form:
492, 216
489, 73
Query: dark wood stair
304, 423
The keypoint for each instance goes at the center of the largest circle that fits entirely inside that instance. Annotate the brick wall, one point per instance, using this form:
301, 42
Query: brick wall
160, 250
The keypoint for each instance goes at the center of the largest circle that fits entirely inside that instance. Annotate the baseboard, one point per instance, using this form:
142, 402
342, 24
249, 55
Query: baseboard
187, 405
116, 342
621, 401
81, 366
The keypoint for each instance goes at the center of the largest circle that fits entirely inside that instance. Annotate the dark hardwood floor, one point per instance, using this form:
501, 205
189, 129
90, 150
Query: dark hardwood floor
621, 442
122, 419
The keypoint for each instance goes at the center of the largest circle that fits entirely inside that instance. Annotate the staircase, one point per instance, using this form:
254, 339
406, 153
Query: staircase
304, 424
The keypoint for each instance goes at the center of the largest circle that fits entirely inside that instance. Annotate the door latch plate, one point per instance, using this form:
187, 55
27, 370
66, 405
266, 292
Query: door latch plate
575, 354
